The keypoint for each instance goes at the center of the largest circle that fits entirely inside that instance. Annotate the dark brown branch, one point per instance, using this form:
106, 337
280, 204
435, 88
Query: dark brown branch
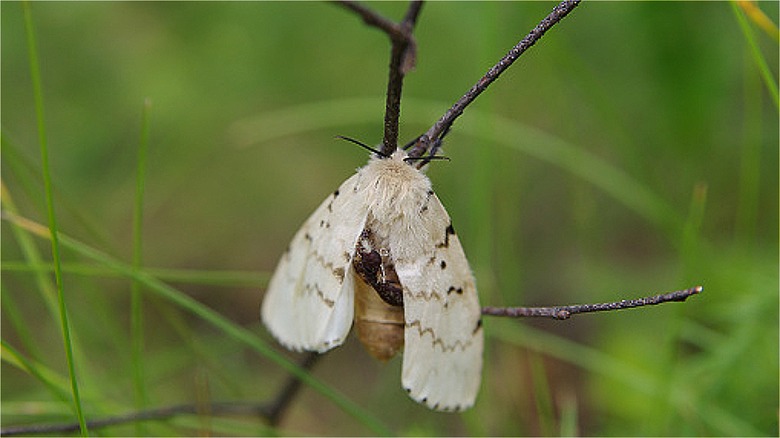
435, 132
163, 413
565, 312
271, 411
371, 18
410, 19
403, 57
402, 60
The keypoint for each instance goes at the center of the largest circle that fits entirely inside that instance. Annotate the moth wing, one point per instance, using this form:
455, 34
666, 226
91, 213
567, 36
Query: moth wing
443, 339
309, 302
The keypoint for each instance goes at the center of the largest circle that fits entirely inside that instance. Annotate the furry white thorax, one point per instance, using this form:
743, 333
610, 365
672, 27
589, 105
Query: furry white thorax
396, 193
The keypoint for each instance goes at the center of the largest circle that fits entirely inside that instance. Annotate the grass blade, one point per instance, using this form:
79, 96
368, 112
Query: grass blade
12, 311
758, 17
55, 247
56, 385
240, 279
758, 57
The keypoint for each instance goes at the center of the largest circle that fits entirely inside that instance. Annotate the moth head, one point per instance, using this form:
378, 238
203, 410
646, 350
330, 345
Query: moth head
400, 153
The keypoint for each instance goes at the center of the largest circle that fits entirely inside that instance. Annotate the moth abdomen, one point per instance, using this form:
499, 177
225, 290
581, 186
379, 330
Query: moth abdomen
380, 326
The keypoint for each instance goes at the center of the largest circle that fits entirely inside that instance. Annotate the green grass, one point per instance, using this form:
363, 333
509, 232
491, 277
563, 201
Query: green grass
52, 217
632, 151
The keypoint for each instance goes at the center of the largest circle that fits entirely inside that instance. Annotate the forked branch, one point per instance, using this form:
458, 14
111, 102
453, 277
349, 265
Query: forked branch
402, 60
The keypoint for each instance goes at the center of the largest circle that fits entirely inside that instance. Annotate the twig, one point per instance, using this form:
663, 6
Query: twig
434, 133
565, 312
371, 18
271, 411
402, 60
278, 407
226, 408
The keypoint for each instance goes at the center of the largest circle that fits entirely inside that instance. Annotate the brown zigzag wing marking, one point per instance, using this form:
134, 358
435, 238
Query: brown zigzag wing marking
425, 296
313, 287
338, 272
457, 345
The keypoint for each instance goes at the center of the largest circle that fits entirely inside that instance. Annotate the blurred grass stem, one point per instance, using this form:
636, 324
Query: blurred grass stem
55, 245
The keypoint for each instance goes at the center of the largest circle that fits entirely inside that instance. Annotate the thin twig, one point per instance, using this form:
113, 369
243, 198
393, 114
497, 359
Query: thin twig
434, 133
279, 406
565, 312
162, 413
402, 60
371, 18
271, 411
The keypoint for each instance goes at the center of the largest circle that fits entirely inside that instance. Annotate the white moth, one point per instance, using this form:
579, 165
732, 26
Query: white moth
382, 250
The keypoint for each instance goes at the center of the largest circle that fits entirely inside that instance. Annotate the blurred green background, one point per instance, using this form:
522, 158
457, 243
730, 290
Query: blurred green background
632, 151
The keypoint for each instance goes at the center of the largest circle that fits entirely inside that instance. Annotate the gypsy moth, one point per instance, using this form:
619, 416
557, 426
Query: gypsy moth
384, 232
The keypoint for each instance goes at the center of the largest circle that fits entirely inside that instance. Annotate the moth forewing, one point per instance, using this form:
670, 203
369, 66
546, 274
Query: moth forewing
443, 339
309, 302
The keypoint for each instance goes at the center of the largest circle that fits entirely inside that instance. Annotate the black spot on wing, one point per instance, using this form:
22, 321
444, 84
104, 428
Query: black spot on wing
424, 207
478, 326
333, 198
457, 290
449, 231
443, 264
